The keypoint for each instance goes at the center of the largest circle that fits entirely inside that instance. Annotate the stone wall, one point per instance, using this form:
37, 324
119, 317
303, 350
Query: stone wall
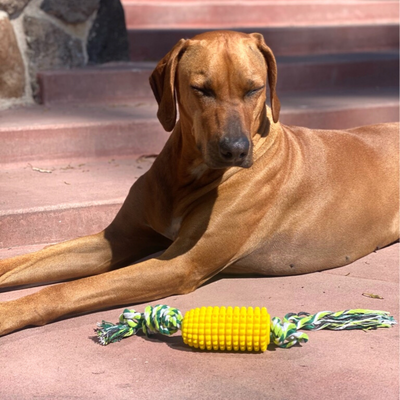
51, 34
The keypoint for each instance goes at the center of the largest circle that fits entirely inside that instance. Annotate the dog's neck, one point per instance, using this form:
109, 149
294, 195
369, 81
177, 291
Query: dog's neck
267, 135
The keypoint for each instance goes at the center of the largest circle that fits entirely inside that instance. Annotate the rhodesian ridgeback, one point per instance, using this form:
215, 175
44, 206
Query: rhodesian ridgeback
232, 191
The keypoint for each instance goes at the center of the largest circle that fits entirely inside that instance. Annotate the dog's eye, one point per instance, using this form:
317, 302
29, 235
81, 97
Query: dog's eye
252, 92
203, 91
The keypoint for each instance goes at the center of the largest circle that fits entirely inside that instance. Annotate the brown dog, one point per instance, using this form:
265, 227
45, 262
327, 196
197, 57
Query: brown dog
233, 190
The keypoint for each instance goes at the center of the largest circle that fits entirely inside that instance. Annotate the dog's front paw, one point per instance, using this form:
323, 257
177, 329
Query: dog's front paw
10, 319
6, 266
4, 319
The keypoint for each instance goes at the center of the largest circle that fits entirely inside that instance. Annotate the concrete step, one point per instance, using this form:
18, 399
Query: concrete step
152, 44
340, 109
125, 81
41, 132
55, 200
8, 252
47, 198
338, 71
62, 131
239, 14
73, 130
104, 83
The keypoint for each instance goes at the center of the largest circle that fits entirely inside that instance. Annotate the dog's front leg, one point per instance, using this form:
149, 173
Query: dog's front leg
72, 259
77, 258
204, 246
145, 281
128, 238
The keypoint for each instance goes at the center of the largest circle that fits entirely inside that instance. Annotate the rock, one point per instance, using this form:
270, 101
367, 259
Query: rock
70, 11
108, 37
12, 7
12, 71
48, 46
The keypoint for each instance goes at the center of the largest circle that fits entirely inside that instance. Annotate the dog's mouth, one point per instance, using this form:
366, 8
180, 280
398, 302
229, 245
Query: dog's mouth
224, 165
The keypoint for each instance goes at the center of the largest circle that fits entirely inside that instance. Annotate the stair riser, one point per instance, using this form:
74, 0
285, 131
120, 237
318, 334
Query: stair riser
347, 75
121, 86
54, 226
153, 44
51, 142
252, 14
94, 85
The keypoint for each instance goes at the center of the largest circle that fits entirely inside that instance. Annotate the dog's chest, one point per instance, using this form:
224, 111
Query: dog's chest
172, 230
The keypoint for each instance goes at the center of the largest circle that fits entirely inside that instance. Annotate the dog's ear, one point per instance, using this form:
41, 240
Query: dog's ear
272, 73
162, 82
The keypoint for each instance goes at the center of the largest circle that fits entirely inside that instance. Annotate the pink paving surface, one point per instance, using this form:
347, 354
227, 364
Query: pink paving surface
63, 361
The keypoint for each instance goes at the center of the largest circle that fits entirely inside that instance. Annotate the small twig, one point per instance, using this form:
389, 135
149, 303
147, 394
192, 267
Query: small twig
41, 170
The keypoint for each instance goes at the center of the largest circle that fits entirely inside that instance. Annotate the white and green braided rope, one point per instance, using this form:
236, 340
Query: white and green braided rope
286, 333
159, 319
167, 320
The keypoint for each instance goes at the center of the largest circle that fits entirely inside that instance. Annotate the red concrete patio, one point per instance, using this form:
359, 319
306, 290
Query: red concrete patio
63, 361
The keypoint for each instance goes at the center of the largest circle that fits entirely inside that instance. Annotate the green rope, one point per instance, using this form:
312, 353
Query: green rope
285, 334
162, 319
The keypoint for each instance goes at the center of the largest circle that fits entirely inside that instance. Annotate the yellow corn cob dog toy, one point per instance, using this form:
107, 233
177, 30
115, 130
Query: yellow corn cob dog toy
215, 328
237, 329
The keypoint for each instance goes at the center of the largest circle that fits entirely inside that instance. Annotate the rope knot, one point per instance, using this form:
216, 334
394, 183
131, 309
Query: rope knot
158, 319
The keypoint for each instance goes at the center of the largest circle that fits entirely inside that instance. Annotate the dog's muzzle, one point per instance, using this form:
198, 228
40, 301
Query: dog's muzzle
230, 152
234, 150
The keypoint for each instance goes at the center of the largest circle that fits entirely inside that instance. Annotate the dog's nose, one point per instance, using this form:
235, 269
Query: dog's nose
234, 149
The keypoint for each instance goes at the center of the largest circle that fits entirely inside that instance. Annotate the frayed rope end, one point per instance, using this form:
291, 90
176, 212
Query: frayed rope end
159, 319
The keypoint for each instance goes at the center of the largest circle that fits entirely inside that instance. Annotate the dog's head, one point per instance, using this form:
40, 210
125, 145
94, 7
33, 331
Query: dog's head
220, 79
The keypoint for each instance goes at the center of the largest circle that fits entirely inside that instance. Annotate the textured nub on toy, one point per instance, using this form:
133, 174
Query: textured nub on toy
227, 328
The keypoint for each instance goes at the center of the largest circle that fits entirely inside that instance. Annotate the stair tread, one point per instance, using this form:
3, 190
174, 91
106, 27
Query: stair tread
296, 102
69, 183
36, 115
106, 67
231, 14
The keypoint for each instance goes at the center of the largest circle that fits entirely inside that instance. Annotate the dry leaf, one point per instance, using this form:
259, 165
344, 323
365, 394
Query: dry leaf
372, 296
69, 166
146, 157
